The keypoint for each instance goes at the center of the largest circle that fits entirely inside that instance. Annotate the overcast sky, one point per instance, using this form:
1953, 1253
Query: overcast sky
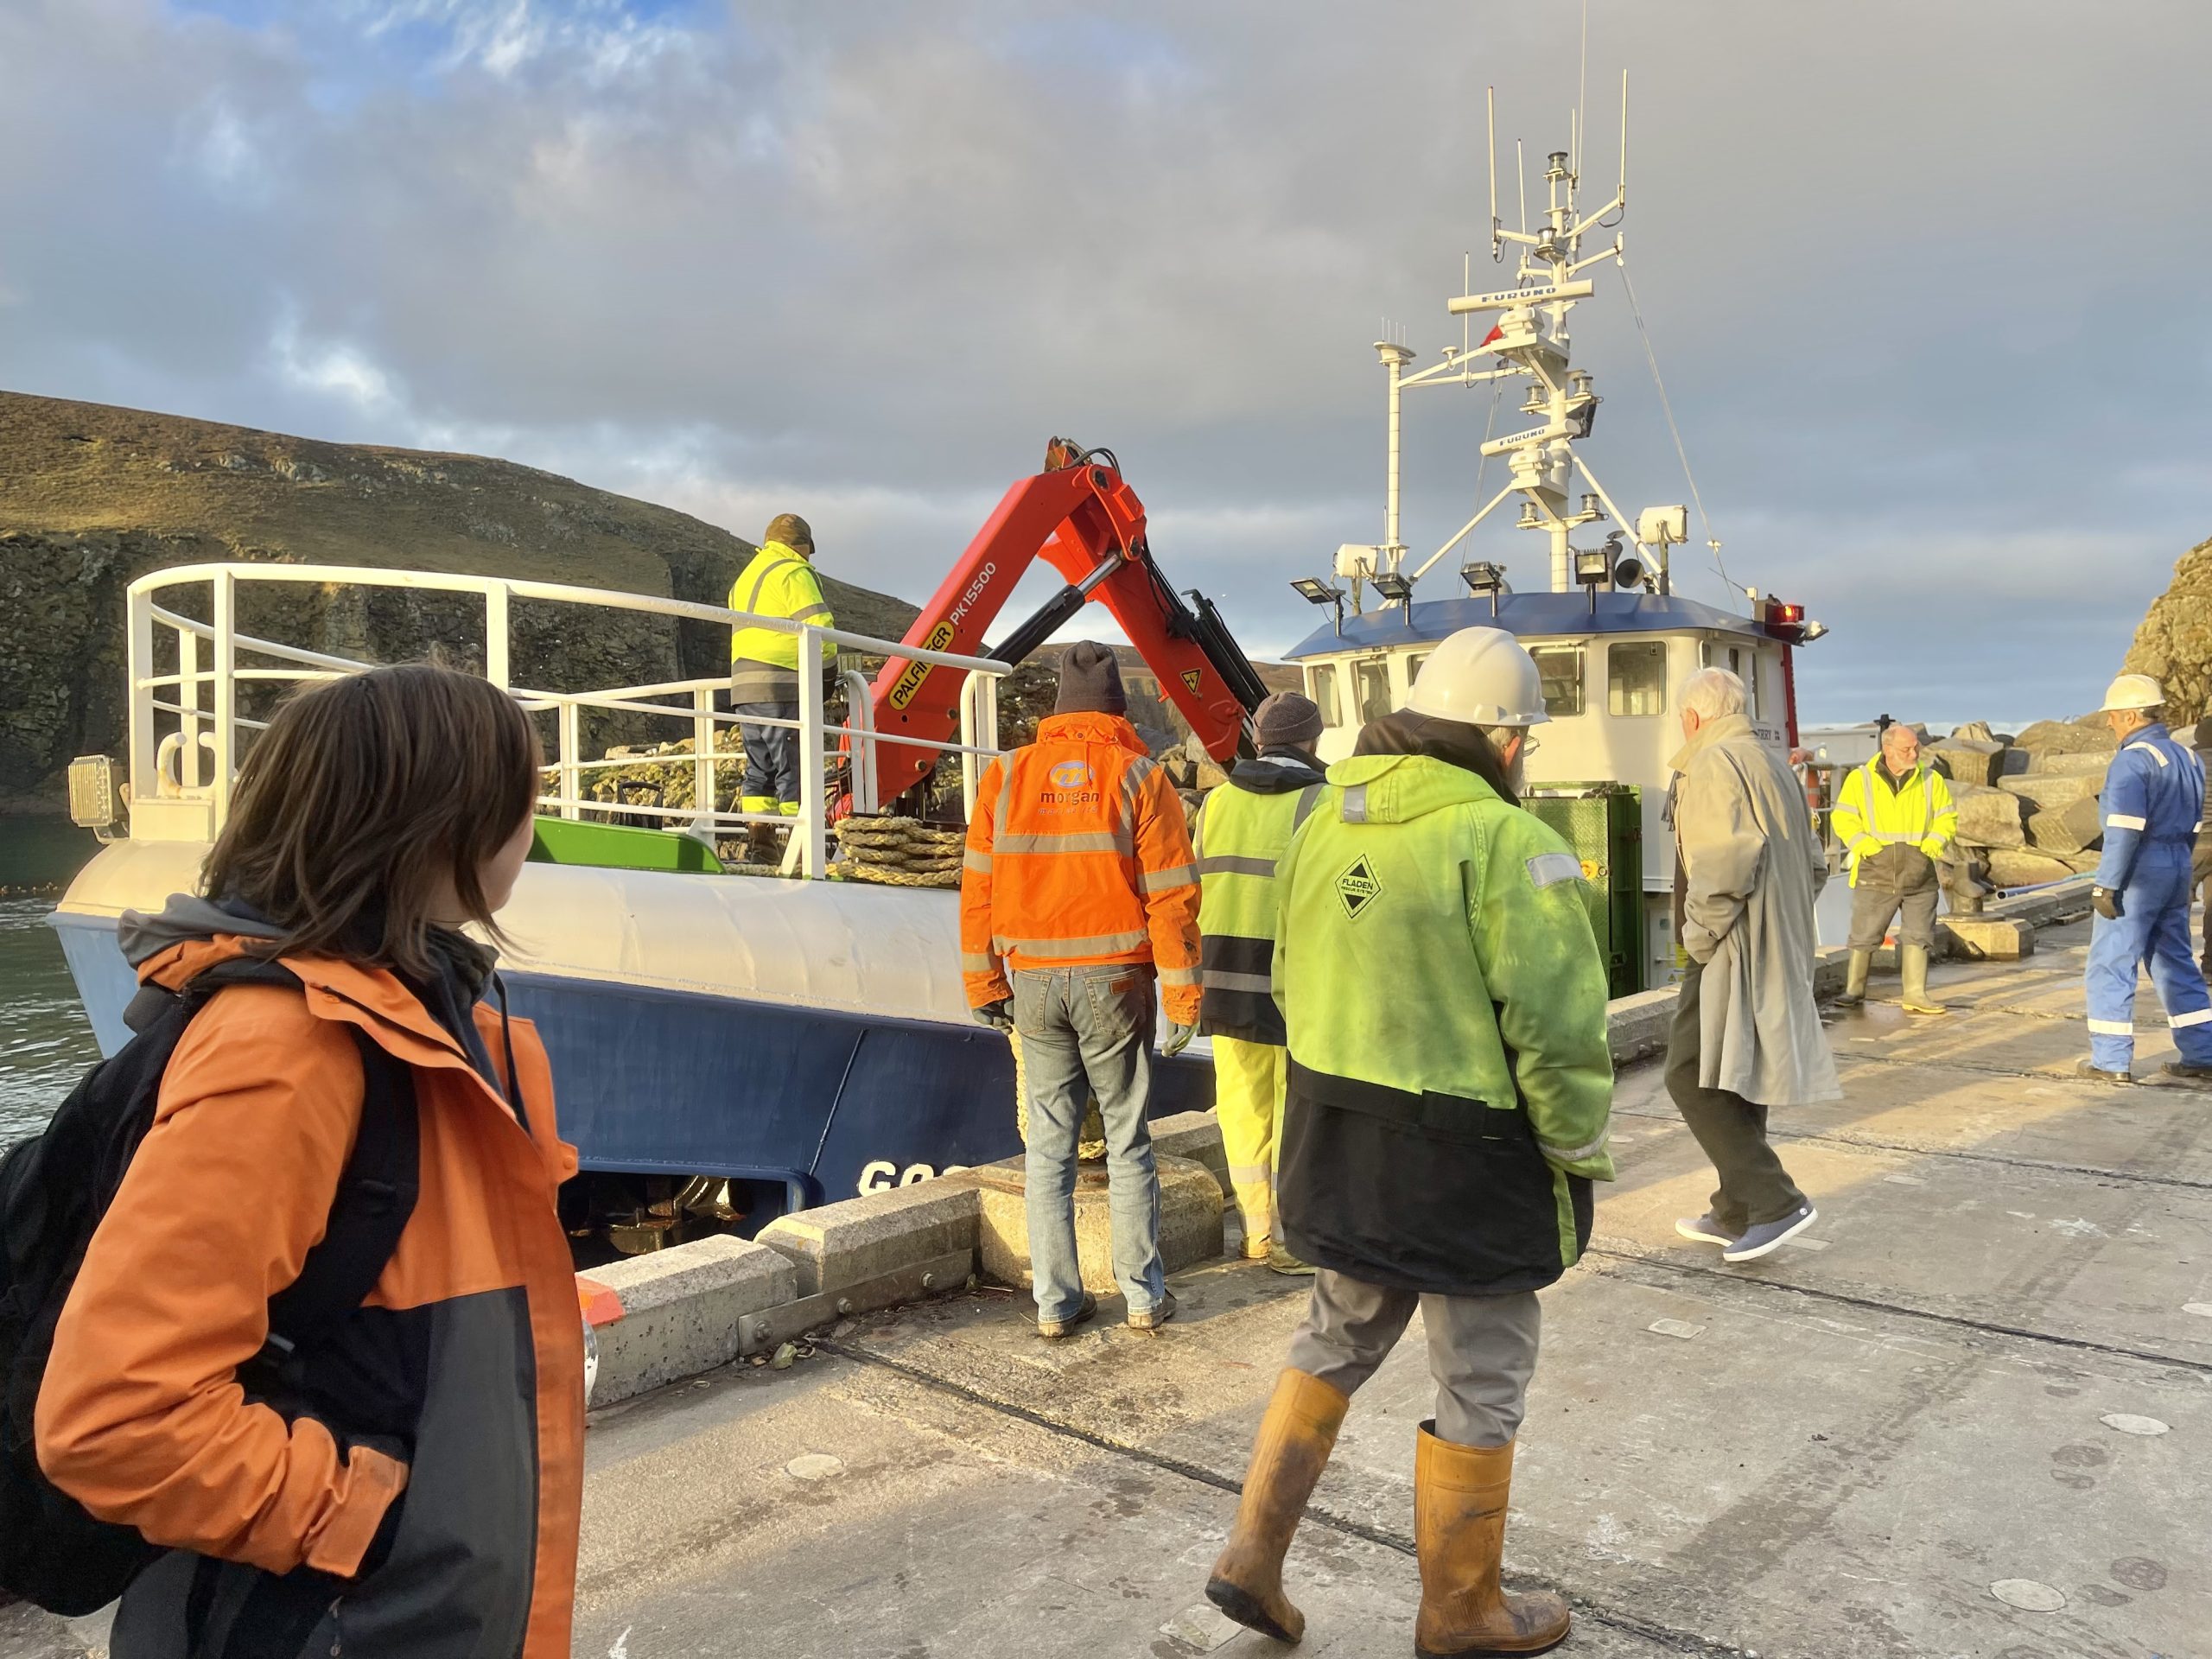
1926, 281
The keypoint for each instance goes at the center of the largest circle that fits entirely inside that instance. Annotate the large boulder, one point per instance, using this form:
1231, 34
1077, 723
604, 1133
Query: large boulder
1970, 760
2066, 829
1989, 817
2012, 869
1976, 731
2049, 737
2078, 765
2049, 792
2174, 643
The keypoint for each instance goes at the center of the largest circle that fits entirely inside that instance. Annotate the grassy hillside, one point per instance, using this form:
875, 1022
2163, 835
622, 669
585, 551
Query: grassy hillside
92, 497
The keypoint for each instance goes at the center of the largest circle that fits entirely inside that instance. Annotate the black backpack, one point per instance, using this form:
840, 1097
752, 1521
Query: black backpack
55, 1186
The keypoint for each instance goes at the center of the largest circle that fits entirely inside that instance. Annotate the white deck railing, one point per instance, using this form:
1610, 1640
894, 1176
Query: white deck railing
185, 749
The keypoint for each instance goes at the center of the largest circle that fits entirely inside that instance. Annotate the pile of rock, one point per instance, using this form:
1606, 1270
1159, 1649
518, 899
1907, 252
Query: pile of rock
2028, 803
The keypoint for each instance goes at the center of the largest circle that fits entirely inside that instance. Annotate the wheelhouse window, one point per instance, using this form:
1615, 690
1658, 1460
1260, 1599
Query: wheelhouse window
1742, 661
1413, 668
1373, 679
1321, 686
1560, 670
1635, 678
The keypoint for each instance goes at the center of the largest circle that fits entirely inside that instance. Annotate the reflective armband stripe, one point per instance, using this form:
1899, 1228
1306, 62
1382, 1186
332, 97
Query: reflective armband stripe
1575, 1154
2126, 821
1180, 875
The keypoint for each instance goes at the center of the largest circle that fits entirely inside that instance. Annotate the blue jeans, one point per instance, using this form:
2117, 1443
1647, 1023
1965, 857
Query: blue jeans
2153, 930
1084, 1032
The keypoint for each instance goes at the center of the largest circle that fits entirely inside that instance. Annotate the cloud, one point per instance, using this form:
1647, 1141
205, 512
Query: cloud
1931, 336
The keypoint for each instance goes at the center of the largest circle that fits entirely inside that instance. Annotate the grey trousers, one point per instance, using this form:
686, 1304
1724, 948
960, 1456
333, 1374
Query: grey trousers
1872, 907
1754, 1187
1481, 1349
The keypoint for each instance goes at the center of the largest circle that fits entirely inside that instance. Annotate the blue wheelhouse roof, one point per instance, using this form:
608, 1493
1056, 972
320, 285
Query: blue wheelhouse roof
1527, 615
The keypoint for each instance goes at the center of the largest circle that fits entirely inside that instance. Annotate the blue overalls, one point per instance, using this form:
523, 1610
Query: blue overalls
2153, 801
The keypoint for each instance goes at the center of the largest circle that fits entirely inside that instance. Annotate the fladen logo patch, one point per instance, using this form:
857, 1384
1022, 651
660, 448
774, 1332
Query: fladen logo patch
1358, 888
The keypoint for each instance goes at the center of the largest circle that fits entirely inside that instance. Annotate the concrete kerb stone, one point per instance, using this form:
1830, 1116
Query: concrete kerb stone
858, 1239
680, 1310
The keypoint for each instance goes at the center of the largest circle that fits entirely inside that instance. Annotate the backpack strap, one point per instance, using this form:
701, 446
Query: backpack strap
376, 1198
375, 1191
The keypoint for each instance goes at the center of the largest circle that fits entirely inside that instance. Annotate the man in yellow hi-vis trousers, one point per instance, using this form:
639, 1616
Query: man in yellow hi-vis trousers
1243, 829
779, 580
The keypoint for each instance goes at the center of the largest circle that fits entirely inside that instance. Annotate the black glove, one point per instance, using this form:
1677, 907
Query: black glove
998, 1015
2106, 902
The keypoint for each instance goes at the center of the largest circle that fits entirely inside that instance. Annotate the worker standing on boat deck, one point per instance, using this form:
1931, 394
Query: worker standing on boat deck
1746, 1035
1895, 820
1450, 1093
2152, 808
778, 580
1078, 883
1242, 831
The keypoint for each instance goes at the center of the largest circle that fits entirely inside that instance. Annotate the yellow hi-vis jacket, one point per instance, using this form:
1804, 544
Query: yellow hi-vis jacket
764, 663
1870, 815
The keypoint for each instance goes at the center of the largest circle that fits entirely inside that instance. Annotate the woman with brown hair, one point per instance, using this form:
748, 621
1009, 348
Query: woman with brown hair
409, 1482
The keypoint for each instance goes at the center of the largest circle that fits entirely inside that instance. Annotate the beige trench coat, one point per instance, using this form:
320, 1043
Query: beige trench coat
1752, 865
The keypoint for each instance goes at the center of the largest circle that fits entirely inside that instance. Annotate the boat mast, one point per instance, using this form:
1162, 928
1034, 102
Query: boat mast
1530, 339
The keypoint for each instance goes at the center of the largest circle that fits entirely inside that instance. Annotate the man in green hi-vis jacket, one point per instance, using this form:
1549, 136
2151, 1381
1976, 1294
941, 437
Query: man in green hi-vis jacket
1450, 1092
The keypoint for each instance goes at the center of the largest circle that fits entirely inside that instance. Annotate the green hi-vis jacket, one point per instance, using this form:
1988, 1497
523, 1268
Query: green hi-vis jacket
764, 663
1450, 1084
1241, 829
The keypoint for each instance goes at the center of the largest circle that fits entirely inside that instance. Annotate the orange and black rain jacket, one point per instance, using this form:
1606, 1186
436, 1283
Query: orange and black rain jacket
1078, 854
465, 1408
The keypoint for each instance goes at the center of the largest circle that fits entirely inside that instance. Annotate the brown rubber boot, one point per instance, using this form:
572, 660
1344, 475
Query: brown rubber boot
1295, 1438
1459, 1499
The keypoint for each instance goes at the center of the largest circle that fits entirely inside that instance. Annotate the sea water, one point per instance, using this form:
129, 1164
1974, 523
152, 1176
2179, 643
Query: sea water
46, 1042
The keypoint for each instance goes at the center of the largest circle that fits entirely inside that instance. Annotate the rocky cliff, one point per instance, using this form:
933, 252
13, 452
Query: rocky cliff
2174, 641
93, 497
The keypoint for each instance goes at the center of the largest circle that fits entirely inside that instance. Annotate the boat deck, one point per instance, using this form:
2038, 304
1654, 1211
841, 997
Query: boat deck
1987, 1391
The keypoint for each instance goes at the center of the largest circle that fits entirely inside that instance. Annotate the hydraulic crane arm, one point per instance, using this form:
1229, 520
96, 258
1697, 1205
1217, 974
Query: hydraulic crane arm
1082, 516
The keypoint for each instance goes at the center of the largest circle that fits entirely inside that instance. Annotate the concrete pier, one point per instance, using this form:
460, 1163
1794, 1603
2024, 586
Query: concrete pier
1973, 1418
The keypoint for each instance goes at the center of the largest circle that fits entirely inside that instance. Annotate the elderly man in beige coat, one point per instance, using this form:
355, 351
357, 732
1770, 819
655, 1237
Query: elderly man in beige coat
1746, 1035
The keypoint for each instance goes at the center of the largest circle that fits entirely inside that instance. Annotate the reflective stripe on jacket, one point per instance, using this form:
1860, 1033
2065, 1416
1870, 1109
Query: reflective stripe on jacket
1078, 854
1870, 815
457, 1398
1451, 1088
764, 663
1243, 829
2154, 793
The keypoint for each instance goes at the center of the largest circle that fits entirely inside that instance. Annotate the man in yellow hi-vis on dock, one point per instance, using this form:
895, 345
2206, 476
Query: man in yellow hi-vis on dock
1894, 818
778, 580
1243, 829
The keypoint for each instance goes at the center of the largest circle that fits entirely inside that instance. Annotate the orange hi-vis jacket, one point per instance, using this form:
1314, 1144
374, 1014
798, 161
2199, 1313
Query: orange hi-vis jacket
1078, 854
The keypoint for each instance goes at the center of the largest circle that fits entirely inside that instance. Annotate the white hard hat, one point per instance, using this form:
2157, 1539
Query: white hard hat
2133, 691
1480, 676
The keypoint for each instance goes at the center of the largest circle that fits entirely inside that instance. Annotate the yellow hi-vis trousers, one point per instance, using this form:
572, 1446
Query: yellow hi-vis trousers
1248, 1080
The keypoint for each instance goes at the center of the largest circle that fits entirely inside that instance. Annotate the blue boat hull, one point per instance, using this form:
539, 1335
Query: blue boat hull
662, 1082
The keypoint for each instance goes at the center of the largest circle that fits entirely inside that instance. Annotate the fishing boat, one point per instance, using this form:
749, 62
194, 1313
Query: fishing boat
728, 1046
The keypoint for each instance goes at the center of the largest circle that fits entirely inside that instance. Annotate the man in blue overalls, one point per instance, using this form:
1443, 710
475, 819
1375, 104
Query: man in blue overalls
2152, 805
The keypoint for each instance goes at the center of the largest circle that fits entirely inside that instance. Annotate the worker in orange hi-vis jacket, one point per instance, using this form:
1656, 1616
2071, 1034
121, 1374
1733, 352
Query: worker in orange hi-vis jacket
1078, 889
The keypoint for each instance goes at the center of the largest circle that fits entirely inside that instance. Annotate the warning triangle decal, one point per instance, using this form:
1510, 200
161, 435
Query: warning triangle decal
1358, 888
1190, 678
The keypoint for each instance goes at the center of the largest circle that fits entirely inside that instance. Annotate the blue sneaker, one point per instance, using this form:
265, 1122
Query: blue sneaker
1770, 1235
1705, 1230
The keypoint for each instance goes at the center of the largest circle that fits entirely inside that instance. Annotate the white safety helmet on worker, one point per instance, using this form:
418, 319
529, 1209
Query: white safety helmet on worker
2133, 691
1480, 676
